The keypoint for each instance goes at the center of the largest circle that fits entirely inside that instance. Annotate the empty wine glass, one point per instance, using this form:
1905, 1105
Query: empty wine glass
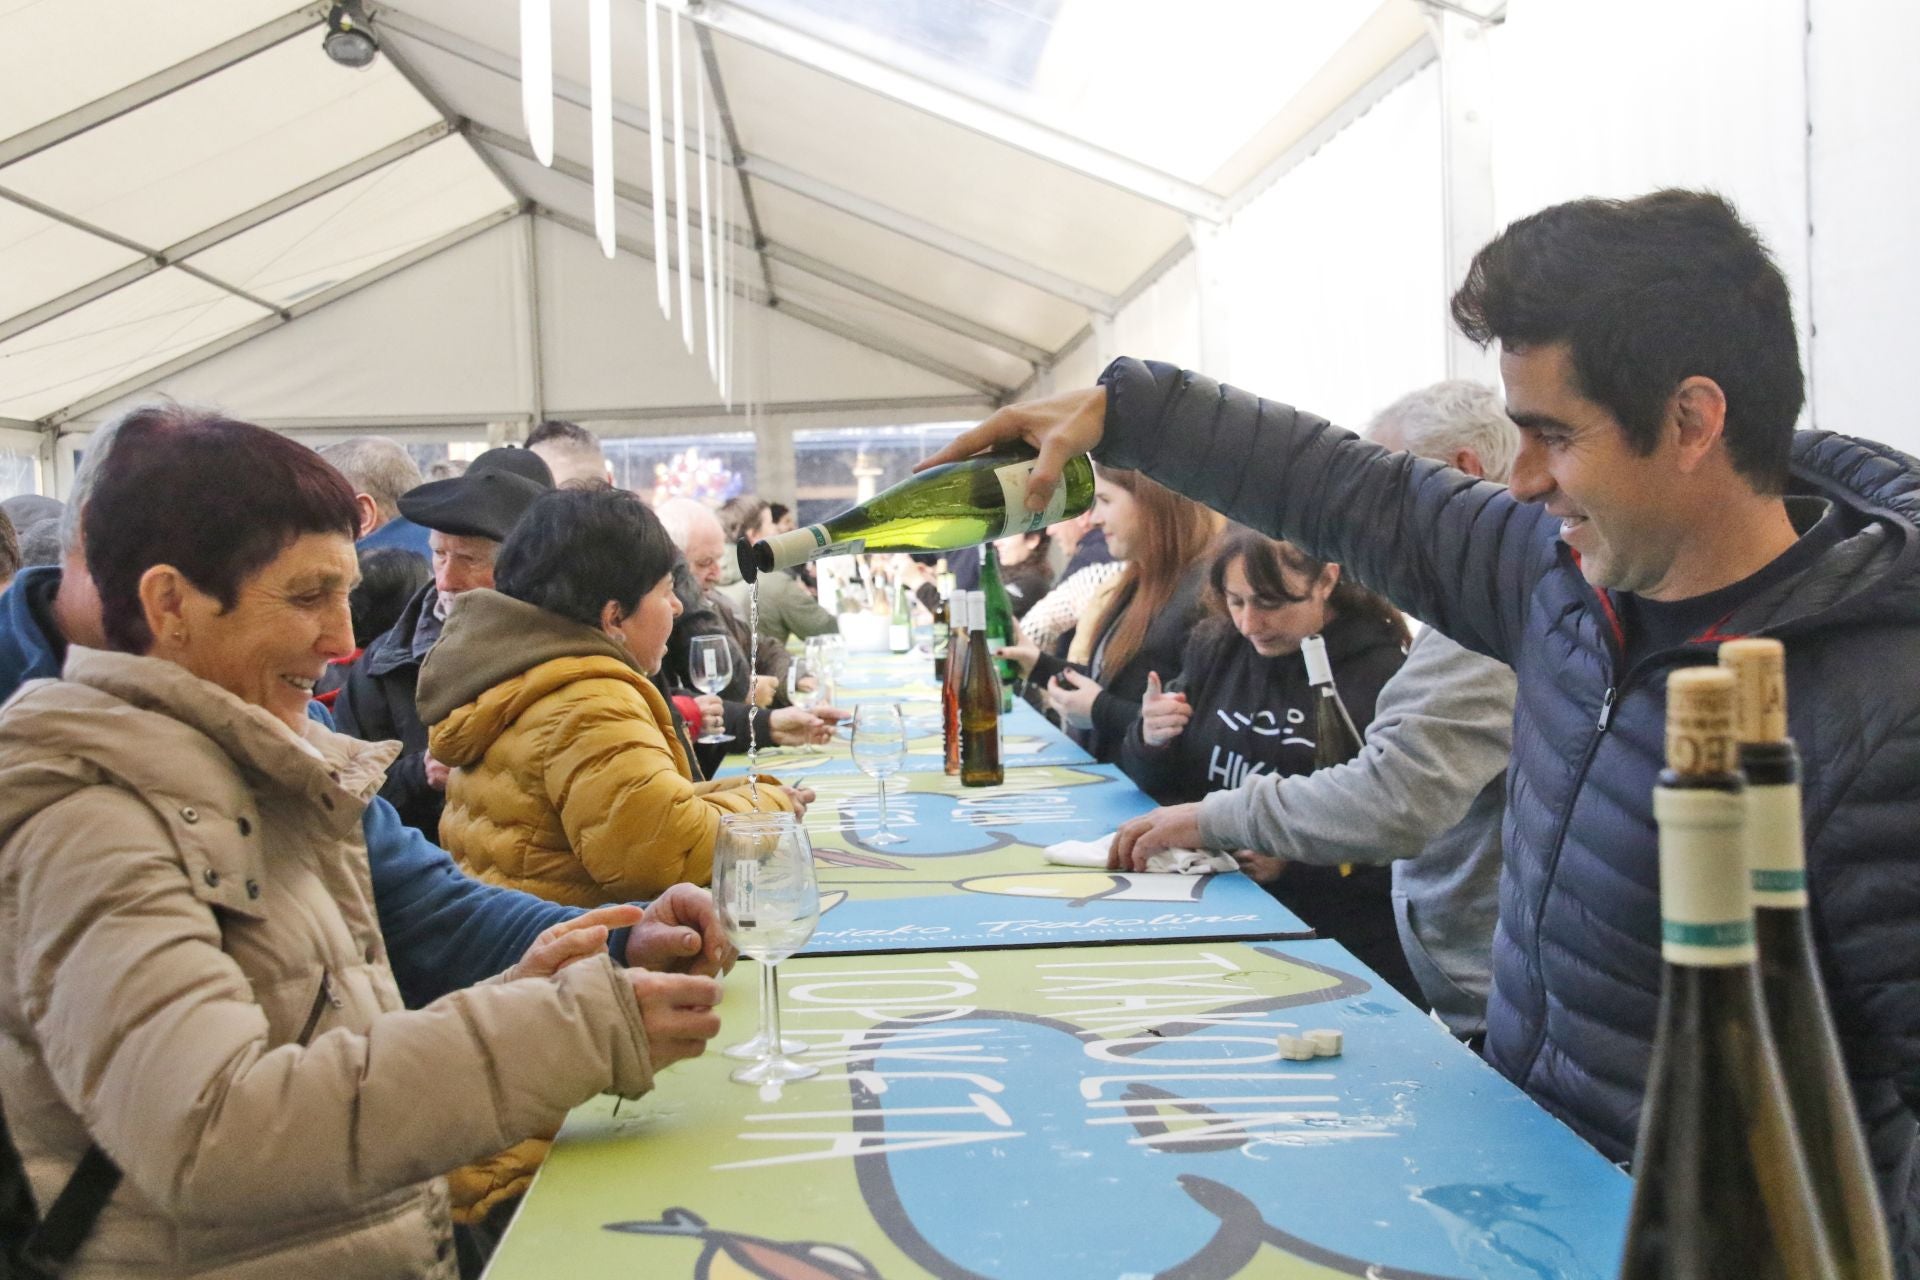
820, 661
763, 883
711, 658
804, 679
880, 749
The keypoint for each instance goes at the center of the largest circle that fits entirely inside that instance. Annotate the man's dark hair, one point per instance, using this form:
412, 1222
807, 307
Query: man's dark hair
389, 577
560, 429
1647, 293
576, 549
215, 498
778, 510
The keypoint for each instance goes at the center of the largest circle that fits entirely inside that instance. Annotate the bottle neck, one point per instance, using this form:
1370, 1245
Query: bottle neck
1776, 849
1706, 898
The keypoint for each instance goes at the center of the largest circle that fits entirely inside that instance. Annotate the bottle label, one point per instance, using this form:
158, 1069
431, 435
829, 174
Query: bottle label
1013, 487
1706, 904
1775, 848
808, 543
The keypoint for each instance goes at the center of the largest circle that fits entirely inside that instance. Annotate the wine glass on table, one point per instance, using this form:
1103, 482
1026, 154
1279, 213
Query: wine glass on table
769, 900
804, 679
880, 750
711, 660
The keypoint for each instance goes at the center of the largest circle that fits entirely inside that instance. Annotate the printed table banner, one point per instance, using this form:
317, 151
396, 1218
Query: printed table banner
971, 871
1085, 1112
1026, 738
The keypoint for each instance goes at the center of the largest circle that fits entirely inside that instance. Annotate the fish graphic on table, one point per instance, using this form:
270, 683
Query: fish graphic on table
734, 1255
1082, 887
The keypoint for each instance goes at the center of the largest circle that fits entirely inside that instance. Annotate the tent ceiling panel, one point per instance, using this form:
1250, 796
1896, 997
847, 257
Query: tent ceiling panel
983, 190
1180, 96
112, 338
445, 336
62, 62
369, 221
984, 362
605, 344
224, 144
898, 262
40, 259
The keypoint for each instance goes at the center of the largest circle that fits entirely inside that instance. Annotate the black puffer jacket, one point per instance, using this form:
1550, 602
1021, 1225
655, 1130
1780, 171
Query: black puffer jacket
1577, 951
376, 704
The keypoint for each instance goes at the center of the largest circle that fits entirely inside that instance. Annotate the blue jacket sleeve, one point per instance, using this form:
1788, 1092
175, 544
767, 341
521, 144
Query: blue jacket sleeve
1460, 554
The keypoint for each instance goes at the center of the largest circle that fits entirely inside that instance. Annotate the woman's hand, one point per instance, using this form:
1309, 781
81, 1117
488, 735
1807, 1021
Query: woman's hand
713, 713
800, 798
799, 727
1073, 699
677, 1011
1163, 716
681, 933
764, 687
577, 939
1059, 426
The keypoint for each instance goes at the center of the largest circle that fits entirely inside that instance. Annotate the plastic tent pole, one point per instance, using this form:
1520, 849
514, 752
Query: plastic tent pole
536, 76
657, 148
600, 61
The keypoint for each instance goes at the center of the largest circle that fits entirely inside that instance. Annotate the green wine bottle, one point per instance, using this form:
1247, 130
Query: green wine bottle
999, 622
1817, 1088
1335, 739
958, 504
900, 626
1720, 1185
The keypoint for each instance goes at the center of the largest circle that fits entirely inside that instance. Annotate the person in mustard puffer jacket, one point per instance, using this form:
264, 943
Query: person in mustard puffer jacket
570, 778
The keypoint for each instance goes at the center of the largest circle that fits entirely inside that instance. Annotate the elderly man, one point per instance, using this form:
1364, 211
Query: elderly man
380, 471
444, 931
571, 452
1427, 791
1662, 502
467, 518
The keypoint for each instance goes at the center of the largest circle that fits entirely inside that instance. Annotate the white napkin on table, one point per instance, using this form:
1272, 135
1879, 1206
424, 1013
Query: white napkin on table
1188, 862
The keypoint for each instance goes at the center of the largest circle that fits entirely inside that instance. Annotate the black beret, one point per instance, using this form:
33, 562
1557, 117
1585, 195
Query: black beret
521, 462
480, 504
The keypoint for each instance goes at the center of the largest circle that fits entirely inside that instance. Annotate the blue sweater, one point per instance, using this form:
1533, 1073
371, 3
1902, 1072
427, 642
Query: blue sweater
444, 930
1576, 953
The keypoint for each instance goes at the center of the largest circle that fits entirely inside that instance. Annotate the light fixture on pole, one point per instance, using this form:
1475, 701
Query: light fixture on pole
349, 40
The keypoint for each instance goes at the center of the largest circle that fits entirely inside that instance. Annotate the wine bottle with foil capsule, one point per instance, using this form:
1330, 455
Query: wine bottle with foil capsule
960, 622
1796, 1001
957, 504
1335, 739
980, 764
1720, 1184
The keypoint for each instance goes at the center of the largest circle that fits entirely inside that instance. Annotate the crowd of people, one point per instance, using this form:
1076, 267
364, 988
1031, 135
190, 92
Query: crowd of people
354, 829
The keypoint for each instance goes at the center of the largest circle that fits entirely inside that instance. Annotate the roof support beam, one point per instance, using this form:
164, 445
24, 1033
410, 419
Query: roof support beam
221, 232
827, 324
984, 118
958, 325
858, 206
451, 118
158, 85
306, 306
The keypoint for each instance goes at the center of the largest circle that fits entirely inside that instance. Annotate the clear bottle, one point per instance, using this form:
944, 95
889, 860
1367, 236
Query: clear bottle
958, 504
1720, 1185
979, 705
1796, 1000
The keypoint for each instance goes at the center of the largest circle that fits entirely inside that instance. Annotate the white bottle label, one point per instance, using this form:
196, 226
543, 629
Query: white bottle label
1775, 847
1706, 904
1013, 487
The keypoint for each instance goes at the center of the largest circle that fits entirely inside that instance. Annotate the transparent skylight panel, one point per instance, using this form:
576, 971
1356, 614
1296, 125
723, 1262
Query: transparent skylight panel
352, 230
117, 337
224, 145
58, 60
40, 259
1179, 87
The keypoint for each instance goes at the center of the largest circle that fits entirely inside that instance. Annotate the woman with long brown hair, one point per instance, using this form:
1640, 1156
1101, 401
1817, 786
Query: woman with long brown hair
1140, 625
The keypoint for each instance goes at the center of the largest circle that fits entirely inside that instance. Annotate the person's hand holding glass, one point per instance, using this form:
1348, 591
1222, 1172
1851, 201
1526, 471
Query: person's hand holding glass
711, 658
769, 901
880, 749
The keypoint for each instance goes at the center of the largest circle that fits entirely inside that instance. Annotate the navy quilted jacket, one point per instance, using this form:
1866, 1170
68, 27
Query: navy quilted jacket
1576, 954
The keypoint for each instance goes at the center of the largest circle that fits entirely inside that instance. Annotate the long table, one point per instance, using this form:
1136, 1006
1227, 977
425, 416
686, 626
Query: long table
1078, 1112
1047, 1072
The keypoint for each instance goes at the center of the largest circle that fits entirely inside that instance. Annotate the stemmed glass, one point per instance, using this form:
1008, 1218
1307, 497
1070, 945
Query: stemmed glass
820, 664
880, 749
711, 658
804, 679
769, 903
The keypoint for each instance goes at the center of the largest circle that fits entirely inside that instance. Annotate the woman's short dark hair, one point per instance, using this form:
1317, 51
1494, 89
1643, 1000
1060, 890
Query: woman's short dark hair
576, 549
215, 498
1647, 293
389, 577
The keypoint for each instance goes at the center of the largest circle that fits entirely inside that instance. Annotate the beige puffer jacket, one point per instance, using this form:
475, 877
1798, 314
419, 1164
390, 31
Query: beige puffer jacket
192, 975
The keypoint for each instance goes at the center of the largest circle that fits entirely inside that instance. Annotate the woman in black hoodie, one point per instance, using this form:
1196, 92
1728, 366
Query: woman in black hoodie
1244, 707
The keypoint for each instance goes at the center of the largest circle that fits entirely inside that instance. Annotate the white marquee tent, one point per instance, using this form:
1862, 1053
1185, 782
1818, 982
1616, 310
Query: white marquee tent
935, 206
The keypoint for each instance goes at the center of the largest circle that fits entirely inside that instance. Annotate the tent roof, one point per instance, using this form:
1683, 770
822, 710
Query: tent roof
957, 185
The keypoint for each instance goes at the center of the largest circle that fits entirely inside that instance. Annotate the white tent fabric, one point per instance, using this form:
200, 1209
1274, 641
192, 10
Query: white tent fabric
936, 207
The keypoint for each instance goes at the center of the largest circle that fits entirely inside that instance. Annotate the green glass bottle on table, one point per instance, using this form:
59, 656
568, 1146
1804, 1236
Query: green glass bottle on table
999, 622
959, 504
1335, 739
900, 627
1796, 1001
980, 764
942, 637
1721, 1190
